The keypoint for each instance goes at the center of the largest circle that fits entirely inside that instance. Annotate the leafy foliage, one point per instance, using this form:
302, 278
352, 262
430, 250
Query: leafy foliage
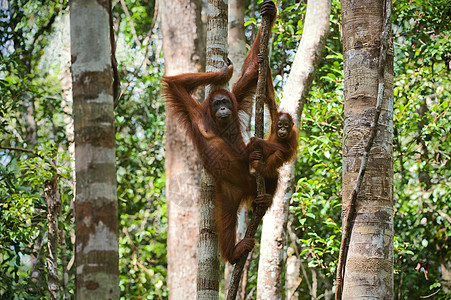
140, 128
23, 220
422, 147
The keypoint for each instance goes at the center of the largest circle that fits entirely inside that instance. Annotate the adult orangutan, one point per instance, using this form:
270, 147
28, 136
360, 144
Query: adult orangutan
214, 129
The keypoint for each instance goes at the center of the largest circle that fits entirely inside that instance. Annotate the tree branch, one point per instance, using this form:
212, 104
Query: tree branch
116, 79
34, 153
19, 149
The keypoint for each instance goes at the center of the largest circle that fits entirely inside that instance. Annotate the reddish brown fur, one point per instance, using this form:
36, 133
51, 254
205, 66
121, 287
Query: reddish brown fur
221, 146
267, 156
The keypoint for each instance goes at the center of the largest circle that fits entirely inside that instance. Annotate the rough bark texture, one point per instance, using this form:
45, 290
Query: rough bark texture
183, 47
96, 246
216, 35
307, 57
208, 262
369, 263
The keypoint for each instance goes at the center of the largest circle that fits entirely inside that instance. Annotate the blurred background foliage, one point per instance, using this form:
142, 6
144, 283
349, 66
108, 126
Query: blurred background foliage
34, 74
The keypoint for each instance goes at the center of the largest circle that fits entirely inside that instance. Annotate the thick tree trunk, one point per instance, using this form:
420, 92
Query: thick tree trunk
368, 271
184, 48
96, 220
309, 53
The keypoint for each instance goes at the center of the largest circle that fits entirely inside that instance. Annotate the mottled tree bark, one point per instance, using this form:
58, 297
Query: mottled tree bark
184, 48
96, 220
368, 269
316, 30
208, 274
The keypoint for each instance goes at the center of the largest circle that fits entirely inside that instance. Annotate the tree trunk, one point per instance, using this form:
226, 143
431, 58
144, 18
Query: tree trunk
53, 199
307, 57
294, 279
96, 220
183, 47
368, 271
208, 262
236, 37
67, 104
445, 266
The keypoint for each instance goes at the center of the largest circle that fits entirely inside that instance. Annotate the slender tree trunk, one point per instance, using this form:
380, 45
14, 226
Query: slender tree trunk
307, 57
217, 30
53, 199
294, 279
64, 264
368, 271
96, 220
445, 266
184, 48
236, 37
208, 262
36, 273
423, 172
67, 104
